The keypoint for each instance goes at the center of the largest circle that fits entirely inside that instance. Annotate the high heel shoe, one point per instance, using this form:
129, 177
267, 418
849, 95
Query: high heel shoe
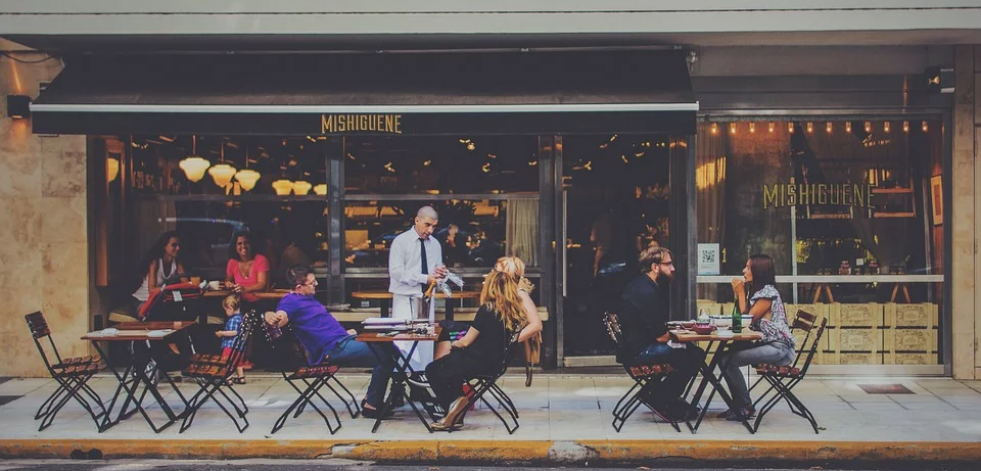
455, 409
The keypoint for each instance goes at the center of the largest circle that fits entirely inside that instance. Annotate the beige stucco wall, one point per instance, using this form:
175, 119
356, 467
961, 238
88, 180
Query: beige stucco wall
43, 234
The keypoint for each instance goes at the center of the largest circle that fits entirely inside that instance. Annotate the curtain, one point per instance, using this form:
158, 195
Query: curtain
710, 184
522, 230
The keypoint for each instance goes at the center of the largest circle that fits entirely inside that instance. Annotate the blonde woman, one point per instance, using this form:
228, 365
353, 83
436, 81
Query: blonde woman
481, 350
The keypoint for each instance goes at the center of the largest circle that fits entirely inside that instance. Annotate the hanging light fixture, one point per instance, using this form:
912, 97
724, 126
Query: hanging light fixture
771, 127
829, 127
320, 189
790, 127
301, 187
193, 165
848, 127
810, 127
752, 127
112, 169
715, 128
222, 173
925, 127
247, 177
283, 187
885, 126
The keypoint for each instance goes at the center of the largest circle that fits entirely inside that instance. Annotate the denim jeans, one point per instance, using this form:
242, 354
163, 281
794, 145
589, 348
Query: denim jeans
350, 352
685, 361
776, 353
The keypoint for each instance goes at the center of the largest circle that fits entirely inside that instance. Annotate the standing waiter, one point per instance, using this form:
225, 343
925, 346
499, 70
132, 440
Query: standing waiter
414, 262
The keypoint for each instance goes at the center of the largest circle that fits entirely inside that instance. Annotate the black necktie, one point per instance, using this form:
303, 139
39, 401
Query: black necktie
425, 264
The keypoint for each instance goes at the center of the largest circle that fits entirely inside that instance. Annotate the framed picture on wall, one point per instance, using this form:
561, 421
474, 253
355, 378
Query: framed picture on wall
937, 199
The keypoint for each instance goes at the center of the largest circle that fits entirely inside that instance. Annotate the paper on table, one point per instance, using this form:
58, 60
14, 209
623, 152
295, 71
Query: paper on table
384, 321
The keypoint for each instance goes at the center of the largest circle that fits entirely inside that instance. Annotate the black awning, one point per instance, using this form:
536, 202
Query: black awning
625, 91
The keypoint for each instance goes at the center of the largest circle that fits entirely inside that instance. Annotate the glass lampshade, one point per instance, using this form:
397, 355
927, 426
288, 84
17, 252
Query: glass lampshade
282, 187
320, 189
112, 169
222, 174
247, 178
194, 167
301, 187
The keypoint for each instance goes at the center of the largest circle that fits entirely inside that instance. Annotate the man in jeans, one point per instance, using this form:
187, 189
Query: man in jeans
643, 320
323, 336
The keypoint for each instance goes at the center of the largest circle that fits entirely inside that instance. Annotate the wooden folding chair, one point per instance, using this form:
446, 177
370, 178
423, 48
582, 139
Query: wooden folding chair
783, 379
313, 379
215, 378
484, 384
71, 374
646, 379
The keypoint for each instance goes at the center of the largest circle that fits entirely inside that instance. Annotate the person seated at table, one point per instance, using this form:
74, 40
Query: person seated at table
481, 350
643, 320
769, 318
247, 272
322, 336
161, 262
515, 267
232, 304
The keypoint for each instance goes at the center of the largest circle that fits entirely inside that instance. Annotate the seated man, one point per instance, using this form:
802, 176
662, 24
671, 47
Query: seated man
323, 336
643, 320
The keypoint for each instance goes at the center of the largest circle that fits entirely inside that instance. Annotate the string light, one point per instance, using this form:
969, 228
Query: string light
905, 126
790, 127
715, 129
810, 127
828, 127
925, 127
771, 127
885, 126
848, 127
752, 128
732, 128
868, 126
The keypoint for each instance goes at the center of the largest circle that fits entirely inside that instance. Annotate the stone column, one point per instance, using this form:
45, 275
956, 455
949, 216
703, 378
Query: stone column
963, 177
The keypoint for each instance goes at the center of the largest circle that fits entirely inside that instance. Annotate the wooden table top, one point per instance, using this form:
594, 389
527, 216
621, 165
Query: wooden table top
133, 331
379, 294
274, 294
374, 337
691, 336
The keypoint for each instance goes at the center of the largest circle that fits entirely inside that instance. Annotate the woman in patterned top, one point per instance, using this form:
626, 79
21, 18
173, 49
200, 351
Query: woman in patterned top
769, 318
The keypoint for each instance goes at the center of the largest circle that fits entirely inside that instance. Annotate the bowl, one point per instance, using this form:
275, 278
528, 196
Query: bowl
688, 324
704, 329
722, 322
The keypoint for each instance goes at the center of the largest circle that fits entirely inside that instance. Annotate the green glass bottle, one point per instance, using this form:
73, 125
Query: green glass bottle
737, 318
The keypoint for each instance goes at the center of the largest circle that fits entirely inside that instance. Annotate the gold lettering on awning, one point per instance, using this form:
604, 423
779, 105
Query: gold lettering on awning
341, 123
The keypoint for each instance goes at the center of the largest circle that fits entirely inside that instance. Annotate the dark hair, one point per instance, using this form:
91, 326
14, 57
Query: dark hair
156, 251
764, 273
233, 254
650, 256
297, 274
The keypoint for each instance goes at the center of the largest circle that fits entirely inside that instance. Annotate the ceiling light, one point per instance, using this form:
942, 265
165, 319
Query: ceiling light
320, 189
301, 187
247, 178
222, 174
194, 165
112, 169
282, 187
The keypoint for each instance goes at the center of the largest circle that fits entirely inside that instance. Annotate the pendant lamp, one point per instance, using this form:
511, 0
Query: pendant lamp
222, 173
193, 165
247, 177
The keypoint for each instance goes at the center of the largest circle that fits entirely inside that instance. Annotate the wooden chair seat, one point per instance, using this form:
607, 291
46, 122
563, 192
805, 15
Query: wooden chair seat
785, 371
314, 372
647, 371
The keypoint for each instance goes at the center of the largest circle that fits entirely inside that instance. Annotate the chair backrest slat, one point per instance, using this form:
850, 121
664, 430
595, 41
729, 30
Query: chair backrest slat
39, 330
814, 346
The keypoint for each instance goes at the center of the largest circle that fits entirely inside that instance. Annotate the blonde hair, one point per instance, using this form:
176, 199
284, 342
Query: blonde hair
500, 294
231, 302
511, 265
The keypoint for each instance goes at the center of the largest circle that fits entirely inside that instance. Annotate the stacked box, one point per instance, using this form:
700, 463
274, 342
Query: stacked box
856, 337
923, 315
911, 334
857, 315
903, 358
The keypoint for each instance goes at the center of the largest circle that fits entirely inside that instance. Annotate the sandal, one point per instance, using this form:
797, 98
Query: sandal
239, 380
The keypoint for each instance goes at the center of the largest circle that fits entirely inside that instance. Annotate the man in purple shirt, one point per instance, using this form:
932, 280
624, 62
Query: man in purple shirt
322, 335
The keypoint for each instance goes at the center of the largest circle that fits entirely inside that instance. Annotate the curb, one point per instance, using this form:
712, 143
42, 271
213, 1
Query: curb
475, 452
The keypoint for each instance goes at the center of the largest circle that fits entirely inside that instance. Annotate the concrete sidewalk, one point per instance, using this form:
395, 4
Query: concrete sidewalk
564, 419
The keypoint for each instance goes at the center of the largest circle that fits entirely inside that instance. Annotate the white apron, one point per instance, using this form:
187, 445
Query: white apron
403, 307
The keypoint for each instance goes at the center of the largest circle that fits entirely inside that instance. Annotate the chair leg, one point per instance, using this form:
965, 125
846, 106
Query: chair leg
357, 406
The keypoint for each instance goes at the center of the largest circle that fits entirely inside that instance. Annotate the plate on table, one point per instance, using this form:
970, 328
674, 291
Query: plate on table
159, 333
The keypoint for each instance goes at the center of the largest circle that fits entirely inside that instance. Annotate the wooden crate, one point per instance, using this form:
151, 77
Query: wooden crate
911, 358
821, 310
911, 315
861, 339
824, 343
857, 315
857, 358
910, 340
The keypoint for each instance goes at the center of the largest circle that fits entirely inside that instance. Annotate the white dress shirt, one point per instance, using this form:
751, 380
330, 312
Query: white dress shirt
405, 263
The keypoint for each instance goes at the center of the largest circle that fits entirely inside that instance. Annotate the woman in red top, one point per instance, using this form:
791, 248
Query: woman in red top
247, 272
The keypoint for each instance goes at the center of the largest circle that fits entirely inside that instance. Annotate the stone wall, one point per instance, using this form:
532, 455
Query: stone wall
44, 237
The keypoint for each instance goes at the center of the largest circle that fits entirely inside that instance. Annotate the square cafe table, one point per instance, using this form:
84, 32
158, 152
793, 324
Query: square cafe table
403, 369
135, 375
708, 368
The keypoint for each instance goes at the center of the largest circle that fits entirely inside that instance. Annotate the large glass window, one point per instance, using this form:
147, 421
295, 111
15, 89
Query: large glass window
851, 212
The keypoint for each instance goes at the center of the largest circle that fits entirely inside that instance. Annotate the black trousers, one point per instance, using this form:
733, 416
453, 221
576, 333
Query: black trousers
447, 375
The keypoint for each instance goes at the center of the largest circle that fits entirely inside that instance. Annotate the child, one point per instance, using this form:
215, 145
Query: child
231, 304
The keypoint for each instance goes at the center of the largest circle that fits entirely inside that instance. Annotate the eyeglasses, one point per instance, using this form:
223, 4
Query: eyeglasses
312, 282
668, 263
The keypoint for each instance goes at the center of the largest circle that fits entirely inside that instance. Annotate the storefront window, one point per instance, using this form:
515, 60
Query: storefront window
851, 212
441, 165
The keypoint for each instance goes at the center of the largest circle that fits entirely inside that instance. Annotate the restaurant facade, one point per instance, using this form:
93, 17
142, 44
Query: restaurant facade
838, 162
